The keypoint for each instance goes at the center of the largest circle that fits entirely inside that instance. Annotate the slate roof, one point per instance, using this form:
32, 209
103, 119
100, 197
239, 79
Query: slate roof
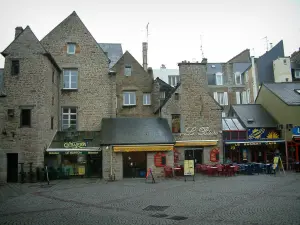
286, 92
260, 116
240, 67
126, 131
264, 63
295, 57
242, 57
164, 74
213, 68
114, 52
232, 124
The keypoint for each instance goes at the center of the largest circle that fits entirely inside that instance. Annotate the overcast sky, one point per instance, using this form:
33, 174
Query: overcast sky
227, 27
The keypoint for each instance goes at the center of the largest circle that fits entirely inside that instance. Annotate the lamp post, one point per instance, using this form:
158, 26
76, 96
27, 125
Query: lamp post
286, 127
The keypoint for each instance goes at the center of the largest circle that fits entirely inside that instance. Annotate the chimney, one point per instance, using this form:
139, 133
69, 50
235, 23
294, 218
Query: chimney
271, 46
145, 55
150, 72
163, 66
204, 60
18, 31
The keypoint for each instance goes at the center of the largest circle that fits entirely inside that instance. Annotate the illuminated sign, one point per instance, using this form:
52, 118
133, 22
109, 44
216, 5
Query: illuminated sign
262, 133
74, 144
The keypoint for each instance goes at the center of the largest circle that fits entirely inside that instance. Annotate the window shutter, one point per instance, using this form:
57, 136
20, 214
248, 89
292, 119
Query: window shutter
238, 97
225, 98
216, 96
77, 49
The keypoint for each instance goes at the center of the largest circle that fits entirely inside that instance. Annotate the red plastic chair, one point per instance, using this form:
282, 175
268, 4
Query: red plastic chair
168, 171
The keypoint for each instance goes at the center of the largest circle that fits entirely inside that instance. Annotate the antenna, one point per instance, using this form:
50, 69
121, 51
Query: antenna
201, 48
267, 42
147, 31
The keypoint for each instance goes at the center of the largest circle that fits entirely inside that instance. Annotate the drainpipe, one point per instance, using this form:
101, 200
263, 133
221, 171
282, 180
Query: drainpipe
254, 79
111, 163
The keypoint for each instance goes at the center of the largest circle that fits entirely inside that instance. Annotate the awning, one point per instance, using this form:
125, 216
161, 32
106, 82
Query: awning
196, 143
253, 142
76, 151
142, 148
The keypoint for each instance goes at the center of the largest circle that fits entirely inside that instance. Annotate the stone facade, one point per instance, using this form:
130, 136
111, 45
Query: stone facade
33, 89
196, 107
140, 82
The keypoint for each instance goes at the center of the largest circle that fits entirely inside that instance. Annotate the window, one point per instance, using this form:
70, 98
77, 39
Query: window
244, 97
248, 95
71, 48
176, 96
297, 74
223, 114
129, 98
174, 80
238, 97
53, 74
162, 95
146, 99
69, 118
175, 123
219, 79
15, 67
52, 122
25, 117
221, 97
238, 78
71, 79
127, 71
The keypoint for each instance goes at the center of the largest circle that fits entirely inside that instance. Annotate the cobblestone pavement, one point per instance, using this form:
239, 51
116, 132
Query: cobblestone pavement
248, 200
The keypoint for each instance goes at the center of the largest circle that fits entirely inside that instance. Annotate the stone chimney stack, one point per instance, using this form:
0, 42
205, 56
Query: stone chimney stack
145, 55
204, 60
18, 31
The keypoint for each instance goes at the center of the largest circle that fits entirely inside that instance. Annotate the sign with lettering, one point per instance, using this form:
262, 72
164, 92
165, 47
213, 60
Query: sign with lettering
74, 144
75, 153
296, 131
214, 155
253, 143
262, 133
201, 131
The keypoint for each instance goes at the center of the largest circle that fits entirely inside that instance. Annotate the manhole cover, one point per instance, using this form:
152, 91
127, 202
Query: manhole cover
159, 215
177, 218
155, 208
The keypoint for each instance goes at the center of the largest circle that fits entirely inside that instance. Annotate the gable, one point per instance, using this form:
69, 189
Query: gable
26, 43
242, 57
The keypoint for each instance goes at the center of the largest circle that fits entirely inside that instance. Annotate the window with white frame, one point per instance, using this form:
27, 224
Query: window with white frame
223, 114
162, 95
238, 78
129, 98
146, 99
219, 79
70, 78
221, 97
297, 74
69, 118
238, 97
127, 71
71, 49
244, 97
173, 80
248, 95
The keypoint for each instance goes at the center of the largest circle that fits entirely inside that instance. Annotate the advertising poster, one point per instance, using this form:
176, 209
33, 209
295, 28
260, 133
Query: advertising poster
189, 168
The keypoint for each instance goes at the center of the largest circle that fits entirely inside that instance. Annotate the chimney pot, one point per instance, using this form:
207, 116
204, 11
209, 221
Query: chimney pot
204, 60
18, 31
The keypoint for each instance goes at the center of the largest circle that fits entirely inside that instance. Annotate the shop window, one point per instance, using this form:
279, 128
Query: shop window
69, 118
25, 118
175, 123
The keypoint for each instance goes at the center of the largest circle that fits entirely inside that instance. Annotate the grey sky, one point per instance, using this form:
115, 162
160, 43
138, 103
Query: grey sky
228, 27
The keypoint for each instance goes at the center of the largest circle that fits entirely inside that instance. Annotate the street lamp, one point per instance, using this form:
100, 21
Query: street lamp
286, 127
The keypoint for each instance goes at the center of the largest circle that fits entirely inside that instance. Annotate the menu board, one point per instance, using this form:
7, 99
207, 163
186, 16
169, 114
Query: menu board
189, 168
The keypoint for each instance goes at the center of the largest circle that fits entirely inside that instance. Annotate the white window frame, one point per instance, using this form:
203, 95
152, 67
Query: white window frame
297, 74
238, 97
68, 48
244, 97
129, 93
173, 80
127, 70
221, 97
69, 114
147, 99
68, 73
236, 75
248, 95
162, 95
223, 114
221, 76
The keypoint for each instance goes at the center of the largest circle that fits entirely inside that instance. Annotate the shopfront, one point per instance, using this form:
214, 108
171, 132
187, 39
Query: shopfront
79, 155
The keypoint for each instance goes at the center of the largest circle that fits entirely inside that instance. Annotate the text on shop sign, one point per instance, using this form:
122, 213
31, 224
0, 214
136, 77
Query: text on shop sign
201, 131
74, 144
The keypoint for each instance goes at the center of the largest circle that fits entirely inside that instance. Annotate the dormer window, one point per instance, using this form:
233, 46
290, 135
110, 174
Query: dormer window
219, 79
238, 78
71, 49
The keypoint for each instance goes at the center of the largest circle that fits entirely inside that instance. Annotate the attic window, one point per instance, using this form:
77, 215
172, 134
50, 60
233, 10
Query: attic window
298, 91
250, 120
127, 71
71, 48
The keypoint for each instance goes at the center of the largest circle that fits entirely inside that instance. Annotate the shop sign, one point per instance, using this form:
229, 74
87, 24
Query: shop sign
189, 168
74, 144
262, 133
74, 153
254, 143
201, 131
214, 155
160, 160
296, 131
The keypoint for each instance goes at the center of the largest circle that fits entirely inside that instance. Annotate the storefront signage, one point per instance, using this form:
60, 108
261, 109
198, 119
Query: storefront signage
74, 144
75, 153
252, 143
160, 160
296, 131
201, 131
214, 155
262, 133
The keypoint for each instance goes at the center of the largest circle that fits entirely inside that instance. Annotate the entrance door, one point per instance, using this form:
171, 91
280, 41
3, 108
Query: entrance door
94, 163
12, 167
194, 154
134, 164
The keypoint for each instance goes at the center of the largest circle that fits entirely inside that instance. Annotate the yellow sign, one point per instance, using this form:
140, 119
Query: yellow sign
81, 170
189, 168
